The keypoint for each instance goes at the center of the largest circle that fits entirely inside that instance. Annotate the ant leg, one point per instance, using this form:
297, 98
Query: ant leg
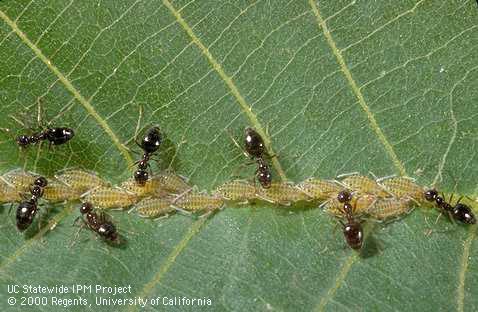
136, 130
237, 144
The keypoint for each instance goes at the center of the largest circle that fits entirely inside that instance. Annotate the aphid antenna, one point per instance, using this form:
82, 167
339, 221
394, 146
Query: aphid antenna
348, 174
165, 216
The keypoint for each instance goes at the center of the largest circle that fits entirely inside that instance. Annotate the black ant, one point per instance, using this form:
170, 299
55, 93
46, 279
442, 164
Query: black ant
255, 149
149, 144
352, 229
460, 212
27, 209
56, 136
98, 223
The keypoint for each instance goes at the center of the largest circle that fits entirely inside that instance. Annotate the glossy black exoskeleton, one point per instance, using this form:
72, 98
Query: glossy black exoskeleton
352, 228
263, 173
254, 144
149, 144
99, 223
460, 212
56, 136
27, 209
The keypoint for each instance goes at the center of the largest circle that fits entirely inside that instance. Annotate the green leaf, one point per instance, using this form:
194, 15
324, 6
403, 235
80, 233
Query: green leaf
342, 86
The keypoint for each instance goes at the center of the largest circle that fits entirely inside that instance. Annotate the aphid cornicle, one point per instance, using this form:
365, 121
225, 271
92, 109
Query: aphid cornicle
460, 211
352, 228
149, 144
99, 223
27, 209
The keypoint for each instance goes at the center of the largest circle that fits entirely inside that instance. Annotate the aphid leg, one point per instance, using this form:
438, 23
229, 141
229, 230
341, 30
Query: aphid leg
344, 175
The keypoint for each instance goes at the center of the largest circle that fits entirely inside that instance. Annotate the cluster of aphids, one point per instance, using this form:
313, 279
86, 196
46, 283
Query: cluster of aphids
350, 198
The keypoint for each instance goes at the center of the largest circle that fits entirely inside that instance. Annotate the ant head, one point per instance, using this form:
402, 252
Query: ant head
344, 196
41, 182
86, 207
23, 140
431, 195
353, 233
141, 176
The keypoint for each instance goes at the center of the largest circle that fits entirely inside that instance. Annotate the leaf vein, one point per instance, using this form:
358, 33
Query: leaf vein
373, 122
69, 86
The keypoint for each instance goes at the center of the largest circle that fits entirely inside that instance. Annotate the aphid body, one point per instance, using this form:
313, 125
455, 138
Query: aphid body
110, 197
8, 193
364, 185
81, 180
282, 193
19, 179
58, 192
403, 187
387, 208
154, 207
318, 189
198, 202
172, 183
237, 190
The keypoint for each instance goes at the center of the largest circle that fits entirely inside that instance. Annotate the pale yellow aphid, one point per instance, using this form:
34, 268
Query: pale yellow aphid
403, 187
57, 191
19, 179
172, 183
360, 204
237, 190
385, 208
8, 193
81, 180
282, 193
152, 187
198, 202
320, 189
364, 185
154, 207
110, 197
